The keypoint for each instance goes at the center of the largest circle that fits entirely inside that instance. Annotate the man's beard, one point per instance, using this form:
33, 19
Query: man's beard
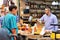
46, 14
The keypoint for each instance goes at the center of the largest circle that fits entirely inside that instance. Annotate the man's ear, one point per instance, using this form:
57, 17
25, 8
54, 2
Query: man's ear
13, 9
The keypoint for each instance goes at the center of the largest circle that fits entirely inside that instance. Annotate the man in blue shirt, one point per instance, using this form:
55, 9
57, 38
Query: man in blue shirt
48, 18
9, 21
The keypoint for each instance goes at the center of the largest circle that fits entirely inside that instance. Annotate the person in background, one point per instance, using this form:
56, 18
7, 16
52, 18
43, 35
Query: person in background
48, 18
2, 12
9, 21
2, 17
3, 32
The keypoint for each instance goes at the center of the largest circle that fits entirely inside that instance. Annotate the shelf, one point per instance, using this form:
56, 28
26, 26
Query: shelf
38, 8
25, 18
29, 22
26, 14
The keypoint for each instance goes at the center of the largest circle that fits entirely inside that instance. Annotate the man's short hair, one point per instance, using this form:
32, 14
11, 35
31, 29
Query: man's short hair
48, 8
12, 7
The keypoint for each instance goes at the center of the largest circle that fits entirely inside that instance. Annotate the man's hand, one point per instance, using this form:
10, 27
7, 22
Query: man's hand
38, 20
48, 31
14, 32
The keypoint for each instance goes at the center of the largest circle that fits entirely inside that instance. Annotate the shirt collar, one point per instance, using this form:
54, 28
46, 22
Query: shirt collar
11, 13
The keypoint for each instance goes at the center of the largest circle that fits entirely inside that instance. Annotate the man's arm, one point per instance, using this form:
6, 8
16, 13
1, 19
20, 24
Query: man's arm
14, 32
41, 19
13, 26
55, 22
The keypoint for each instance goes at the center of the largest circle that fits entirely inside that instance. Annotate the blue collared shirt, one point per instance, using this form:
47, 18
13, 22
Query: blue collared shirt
48, 20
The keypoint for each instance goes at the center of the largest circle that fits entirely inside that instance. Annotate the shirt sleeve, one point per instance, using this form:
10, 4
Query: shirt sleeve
42, 18
55, 22
13, 22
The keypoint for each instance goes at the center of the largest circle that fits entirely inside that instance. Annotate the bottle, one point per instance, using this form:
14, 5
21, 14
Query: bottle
52, 36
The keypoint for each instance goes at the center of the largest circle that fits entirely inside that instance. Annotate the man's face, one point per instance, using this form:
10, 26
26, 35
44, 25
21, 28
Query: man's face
14, 11
47, 11
2, 13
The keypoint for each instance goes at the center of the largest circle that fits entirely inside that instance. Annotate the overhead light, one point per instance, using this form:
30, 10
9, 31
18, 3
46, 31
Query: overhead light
55, 3
27, 7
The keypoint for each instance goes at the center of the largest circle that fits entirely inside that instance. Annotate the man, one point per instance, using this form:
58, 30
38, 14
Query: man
48, 18
1, 17
9, 21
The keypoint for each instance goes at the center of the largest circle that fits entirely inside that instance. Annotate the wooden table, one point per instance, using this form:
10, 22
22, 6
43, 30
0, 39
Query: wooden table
35, 37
